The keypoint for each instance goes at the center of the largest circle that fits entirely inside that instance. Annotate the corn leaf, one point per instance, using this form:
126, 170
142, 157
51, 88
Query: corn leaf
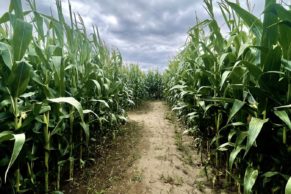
250, 179
19, 140
21, 38
98, 86
69, 100
288, 187
255, 127
7, 55
5, 135
252, 21
253, 69
19, 78
16, 5
5, 17
223, 78
101, 102
237, 105
234, 154
284, 117
86, 130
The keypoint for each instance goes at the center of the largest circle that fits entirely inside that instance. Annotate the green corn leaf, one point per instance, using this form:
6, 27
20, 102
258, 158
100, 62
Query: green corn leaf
5, 136
255, 127
9, 17
237, 105
288, 187
223, 78
250, 179
272, 57
283, 25
21, 38
113, 118
59, 31
86, 130
253, 69
178, 87
57, 62
76, 104
57, 192
242, 49
270, 174
19, 77
284, 117
219, 99
283, 107
234, 154
16, 5
5, 17
102, 102
224, 146
69, 100
87, 111
280, 11
122, 118
223, 58
252, 21
98, 86
27, 95
270, 31
40, 53
19, 140
7, 55
235, 124
241, 137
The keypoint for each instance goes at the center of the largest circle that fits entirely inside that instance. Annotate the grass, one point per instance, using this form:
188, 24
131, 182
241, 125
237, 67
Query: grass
137, 175
173, 180
184, 149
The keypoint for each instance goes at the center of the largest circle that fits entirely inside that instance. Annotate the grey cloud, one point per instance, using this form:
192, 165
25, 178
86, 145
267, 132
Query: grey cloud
150, 32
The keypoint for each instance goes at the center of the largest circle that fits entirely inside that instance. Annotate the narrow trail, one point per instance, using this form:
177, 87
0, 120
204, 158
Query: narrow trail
161, 167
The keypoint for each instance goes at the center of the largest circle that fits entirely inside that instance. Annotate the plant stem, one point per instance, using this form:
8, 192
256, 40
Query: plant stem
81, 149
46, 154
284, 135
17, 180
71, 158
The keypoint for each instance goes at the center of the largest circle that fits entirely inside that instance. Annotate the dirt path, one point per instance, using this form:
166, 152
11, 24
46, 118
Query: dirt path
164, 164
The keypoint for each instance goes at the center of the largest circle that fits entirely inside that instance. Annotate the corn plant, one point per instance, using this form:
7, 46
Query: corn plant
144, 85
62, 90
154, 84
136, 80
234, 93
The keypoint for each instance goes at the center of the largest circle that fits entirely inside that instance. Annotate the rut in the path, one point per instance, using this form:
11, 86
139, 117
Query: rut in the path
161, 168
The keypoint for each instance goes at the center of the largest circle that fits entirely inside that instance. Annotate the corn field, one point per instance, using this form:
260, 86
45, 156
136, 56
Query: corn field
233, 91
62, 90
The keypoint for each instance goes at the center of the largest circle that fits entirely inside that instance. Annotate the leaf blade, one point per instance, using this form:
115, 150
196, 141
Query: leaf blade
255, 127
18, 144
21, 38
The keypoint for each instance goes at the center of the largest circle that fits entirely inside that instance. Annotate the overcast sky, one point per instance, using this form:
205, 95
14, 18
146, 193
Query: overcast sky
147, 32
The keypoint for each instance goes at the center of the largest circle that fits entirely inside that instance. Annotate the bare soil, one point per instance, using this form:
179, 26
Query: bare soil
151, 157
167, 162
